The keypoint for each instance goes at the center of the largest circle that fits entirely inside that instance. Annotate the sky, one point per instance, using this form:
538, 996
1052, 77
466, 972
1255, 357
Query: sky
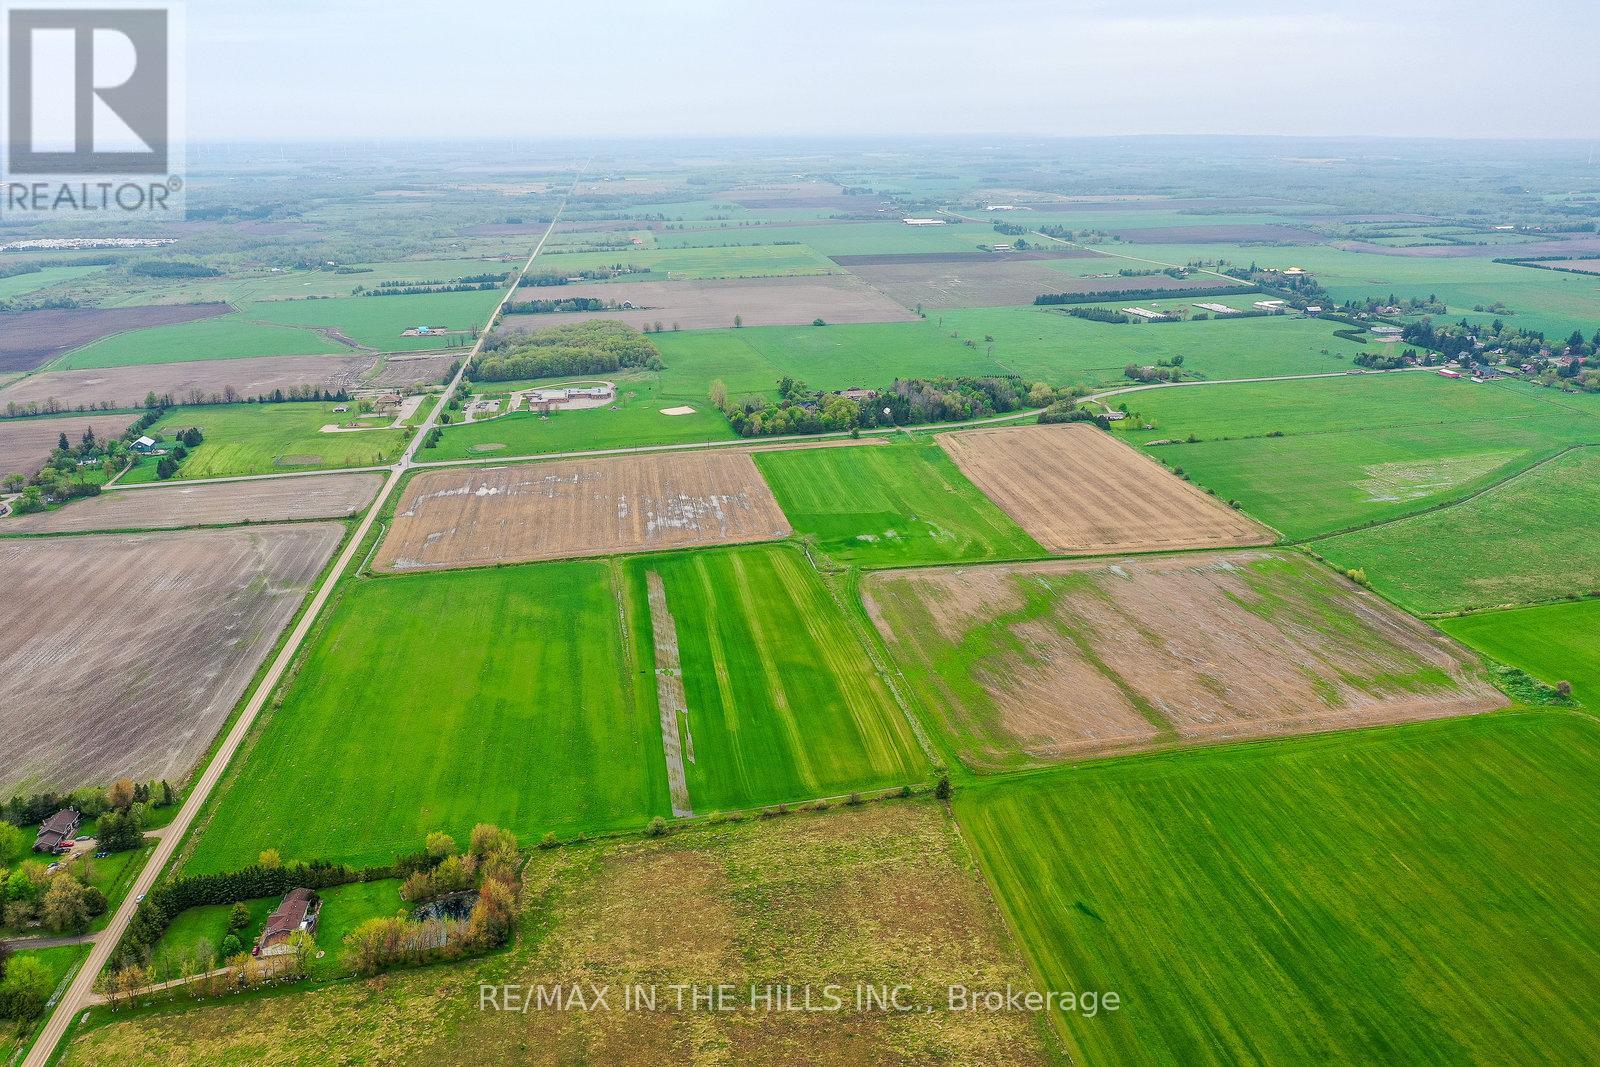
344, 69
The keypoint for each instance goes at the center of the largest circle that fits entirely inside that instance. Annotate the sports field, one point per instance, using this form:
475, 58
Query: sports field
893, 505
270, 439
438, 701
783, 702
1530, 539
1554, 643
1417, 894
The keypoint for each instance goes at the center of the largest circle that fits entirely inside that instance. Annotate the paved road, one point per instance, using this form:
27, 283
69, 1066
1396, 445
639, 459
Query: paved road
80, 993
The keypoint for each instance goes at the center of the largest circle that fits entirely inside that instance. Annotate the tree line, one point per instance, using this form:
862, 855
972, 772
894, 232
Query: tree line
601, 346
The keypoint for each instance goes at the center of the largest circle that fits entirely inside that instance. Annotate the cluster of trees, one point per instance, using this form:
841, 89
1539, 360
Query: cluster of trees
477, 283
1164, 370
167, 465
1461, 340
173, 268
907, 402
72, 471
1087, 236
1139, 294
1068, 411
489, 865
551, 277
553, 307
58, 900
25, 986
1392, 360
597, 347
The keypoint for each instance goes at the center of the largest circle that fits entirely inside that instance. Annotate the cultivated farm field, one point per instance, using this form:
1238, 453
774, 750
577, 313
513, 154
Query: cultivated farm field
469, 517
1555, 643
1078, 490
893, 505
127, 387
1033, 663
25, 444
438, 701
1410, 894
784, 703
109, 631
329, 496
31, 338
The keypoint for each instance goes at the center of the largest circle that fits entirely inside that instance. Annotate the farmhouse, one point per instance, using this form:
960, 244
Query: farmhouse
56, 831
299, 911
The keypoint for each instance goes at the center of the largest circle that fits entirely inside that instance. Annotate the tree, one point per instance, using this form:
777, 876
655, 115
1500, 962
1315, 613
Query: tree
239, 918
26, 989
943, 790
166, 467
738, 320
719, 393
270, 859
120, 794
63, 443
440, 845
66, 906
120, 832
13, 843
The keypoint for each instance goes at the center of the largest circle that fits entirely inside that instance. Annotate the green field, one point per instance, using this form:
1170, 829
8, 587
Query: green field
20, 284
1533, 538
60, 962
900, 504
1048, 343
250, 286
634, 419
1554, 643
233, 336
193, 942
270, 439
841, 238
378, 322
1417, 894
784, 703
739, 261
440, 701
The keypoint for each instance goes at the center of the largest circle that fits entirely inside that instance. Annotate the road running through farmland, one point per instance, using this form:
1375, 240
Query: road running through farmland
79, 993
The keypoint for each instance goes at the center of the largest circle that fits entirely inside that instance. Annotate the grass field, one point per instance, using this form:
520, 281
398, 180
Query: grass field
1412, 895
193, 942
235, 336
1554, 643
59, 962
1529, 539
269, 439
439, 701
900, 504
378, 322
882, 894
842, 238
634, 418
20, 284
740, 261
784, 703
1047, 343
1306, 485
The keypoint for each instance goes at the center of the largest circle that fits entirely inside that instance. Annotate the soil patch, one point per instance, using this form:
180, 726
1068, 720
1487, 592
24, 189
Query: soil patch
1078, 490
25, 444
534, 511
323, 496
996, 280
29, 339
199, 382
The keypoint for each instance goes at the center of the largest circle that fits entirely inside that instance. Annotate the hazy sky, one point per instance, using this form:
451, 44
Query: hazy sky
533, 68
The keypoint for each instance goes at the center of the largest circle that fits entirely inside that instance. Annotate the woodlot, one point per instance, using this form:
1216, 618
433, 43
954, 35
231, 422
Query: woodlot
209, 504
538, 511
1078, 490
124, 653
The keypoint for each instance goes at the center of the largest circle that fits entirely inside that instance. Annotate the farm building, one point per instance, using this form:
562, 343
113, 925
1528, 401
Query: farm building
1269, 305
299, 911
1219, 309
858, 394
57, 831
144, 445
923, 222
1143, 313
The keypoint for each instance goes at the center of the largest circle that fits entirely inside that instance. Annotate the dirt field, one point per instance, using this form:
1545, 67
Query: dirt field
993, 281
123, 654
1077, 489
324, 496
31, 338
401, 372
1040, 662
127, 386
711, 304
26, 443
480, 517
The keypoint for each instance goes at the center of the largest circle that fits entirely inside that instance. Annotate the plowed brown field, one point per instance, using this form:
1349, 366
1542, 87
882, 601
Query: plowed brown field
324, 496
480, 517
1034, 663
25, 444
1077, 489
123, 654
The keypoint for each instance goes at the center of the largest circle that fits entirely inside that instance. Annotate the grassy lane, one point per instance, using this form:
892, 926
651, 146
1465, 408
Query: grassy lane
1414, 894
